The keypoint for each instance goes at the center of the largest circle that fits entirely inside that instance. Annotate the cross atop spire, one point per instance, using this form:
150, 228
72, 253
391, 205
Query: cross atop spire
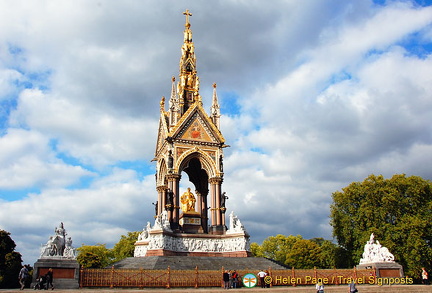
187, 14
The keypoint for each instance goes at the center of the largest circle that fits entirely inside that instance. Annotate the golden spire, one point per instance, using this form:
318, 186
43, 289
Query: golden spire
188, 85
187, 14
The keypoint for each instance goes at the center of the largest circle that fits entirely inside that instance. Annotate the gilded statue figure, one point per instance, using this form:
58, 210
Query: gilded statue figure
188, 201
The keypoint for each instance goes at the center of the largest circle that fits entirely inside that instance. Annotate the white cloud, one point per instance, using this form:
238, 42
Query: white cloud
27, 161
327, 93
109, 208
7, 77
89, 134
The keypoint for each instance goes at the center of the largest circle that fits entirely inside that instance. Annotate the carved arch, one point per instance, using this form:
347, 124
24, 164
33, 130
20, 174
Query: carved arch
162, 172
207, 163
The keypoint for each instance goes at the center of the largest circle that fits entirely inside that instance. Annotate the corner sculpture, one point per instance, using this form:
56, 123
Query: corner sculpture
377, 257
58, 245
374, 252
59, 256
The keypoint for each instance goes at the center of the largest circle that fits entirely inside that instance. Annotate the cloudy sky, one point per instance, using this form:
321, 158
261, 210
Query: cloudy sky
314, 95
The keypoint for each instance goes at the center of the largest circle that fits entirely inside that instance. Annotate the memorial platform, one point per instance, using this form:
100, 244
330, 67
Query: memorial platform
299, 289
203, 263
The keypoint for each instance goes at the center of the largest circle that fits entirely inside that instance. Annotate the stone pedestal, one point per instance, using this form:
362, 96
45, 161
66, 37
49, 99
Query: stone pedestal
191, 223
162, 243
162, 240
65, 272
384, 269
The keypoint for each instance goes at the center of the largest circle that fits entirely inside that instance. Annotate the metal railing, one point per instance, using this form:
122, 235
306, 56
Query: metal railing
140, 278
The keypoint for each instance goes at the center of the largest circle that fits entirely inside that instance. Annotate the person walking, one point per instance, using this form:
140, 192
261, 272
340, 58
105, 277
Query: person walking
22, 276
425, 277
352, 287
319, 287
49, 279
262, 275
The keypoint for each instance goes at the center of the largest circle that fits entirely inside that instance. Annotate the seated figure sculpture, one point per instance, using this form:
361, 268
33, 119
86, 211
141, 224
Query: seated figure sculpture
58, 245
375, 252
188, 201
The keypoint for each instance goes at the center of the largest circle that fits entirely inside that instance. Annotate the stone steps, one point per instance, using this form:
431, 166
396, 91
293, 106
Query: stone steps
299, 289
334, 289
203, 263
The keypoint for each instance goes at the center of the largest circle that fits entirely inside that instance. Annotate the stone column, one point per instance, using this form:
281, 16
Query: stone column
213, 203
198, 207
204, 213
161, 199
173, 184
215, 193
218, 204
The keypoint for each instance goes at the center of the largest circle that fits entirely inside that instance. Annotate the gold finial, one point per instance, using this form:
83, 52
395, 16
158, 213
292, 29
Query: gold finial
187, 13
173, 79
162, 104
214, 85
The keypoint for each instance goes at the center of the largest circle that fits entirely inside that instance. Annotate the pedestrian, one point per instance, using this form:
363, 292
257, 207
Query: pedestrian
425, 277
268, 281
234, 277
40, 283
226, 279
22, 276
262, 276
352, 287
49, 279
319, 287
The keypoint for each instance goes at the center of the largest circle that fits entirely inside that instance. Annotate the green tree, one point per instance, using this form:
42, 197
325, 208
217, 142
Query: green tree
255, 249
10, 261
331, 254
277, 247
94, 256
125, 247
397, 210
304, 254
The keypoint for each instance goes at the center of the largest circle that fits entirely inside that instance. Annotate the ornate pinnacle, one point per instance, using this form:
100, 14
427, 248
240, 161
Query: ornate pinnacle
162, 104
187, 14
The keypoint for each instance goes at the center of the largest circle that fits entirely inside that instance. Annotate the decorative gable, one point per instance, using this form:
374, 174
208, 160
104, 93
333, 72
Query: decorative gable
196, 129
162, 134
196, 126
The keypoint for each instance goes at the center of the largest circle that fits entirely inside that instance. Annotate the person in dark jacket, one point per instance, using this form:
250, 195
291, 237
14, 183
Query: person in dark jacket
226, 279
49, 279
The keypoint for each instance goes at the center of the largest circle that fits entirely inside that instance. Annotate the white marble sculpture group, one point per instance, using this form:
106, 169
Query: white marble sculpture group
58, 246
374, 252
153, 238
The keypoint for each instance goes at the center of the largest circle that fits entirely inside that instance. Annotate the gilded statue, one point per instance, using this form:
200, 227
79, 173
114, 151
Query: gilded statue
188, 201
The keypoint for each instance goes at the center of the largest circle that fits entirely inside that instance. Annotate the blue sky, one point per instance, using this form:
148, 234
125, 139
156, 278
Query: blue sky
314, 95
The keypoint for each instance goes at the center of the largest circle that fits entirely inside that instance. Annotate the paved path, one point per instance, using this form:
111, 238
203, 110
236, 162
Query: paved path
300, 289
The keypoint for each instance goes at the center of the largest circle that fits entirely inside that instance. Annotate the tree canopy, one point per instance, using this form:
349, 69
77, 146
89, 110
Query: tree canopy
397, 210
125, 247
10, 261
94, 256
99, 256
294, 251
